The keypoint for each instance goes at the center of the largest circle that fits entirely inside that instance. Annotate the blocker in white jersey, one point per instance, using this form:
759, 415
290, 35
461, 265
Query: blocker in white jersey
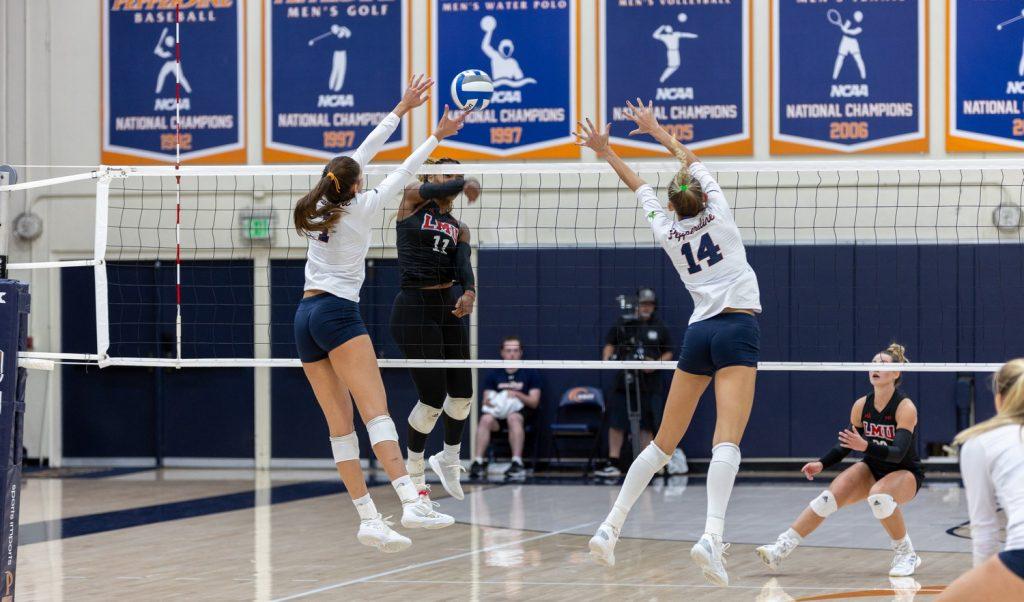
705, 249
722, 341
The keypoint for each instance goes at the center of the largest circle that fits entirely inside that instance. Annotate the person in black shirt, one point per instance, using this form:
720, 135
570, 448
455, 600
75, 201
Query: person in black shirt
517, 388
645, 338
428, 319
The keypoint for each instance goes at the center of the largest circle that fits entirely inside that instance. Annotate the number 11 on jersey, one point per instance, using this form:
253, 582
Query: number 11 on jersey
707, 250
443, 248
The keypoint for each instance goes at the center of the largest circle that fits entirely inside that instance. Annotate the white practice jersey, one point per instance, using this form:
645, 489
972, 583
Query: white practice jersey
706, 250
336, 260
992, 466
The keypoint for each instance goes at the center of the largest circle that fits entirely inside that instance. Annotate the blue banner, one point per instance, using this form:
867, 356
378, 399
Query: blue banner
848, 77
692, 61
986, 75
140, 72
529, 49
332, 72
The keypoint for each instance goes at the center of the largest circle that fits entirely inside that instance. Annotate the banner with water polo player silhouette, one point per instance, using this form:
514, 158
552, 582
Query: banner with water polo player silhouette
985, 75
849, 77
331, 73
536, 95
138, 110
693, 62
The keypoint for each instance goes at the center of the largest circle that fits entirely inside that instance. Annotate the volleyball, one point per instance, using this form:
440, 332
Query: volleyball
472, 89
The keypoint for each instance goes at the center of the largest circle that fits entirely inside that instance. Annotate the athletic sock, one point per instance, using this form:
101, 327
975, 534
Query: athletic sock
646, 465
406, 490
365, 507
415, 466
452, 452
725, 463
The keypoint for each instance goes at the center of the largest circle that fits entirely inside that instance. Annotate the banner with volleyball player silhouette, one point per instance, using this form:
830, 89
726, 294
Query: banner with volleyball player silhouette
849, 78
985, 67
693, 63
529, 50
140, 73
331, 73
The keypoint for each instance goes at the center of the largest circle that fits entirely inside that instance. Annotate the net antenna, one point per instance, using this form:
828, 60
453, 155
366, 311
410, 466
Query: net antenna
177, 177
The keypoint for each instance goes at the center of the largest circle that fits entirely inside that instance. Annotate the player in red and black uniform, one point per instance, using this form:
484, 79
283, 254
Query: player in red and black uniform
428, 318
884, 429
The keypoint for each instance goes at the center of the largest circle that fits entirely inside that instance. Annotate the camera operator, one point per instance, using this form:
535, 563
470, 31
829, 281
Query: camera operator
635, 336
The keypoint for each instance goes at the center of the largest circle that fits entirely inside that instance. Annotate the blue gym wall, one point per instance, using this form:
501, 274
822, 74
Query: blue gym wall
821, 303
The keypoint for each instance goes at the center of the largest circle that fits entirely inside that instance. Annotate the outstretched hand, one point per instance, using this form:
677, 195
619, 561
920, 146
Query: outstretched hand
415, 95
450, 124
592, 138
643, 116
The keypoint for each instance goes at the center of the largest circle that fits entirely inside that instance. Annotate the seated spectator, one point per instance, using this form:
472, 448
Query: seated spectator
508, 395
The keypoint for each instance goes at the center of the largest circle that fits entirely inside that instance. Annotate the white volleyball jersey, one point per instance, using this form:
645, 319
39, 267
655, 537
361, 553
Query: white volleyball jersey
336, 260
992, 467
706, 250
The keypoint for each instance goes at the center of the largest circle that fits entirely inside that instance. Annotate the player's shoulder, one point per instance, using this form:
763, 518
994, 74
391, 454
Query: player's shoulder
858, 405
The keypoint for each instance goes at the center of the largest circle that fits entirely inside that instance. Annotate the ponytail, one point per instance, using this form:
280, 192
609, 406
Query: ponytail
336, 187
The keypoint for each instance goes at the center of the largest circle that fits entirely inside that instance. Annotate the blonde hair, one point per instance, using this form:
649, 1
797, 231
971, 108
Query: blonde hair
1008, 383
684, 192
898, 354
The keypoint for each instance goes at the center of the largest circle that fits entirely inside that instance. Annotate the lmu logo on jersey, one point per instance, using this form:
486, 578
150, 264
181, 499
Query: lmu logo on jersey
429, 223
880, 431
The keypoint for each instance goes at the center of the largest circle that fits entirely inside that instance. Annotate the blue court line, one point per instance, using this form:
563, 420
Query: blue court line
90, 524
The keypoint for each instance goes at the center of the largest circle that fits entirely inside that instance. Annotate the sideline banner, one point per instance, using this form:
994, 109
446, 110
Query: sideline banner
138, 82
692, 61
849, 77
530, 49
331, 72
985, 75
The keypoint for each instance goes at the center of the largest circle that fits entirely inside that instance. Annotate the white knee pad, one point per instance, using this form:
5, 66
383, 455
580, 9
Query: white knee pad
423, 417
458, 407
825, 504
345, 447
381, 428
882, 505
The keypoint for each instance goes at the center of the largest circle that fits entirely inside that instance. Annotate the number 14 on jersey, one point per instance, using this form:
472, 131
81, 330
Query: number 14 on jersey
707, 250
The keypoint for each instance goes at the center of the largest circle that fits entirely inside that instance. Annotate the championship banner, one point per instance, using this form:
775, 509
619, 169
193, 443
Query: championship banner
139, 57
692, 61
331, 72
985, 75
530, 50
849, 77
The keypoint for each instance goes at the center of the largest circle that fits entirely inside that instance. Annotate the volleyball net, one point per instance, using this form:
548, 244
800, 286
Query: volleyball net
201, 266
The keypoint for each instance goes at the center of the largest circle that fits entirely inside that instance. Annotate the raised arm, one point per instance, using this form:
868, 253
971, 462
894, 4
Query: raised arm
597, 141
647, 123
415, 95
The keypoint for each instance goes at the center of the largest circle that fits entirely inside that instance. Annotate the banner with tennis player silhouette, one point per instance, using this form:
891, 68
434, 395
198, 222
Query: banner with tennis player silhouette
693, 62
849, 77
985, 66
140, 72
529, 49
331, 72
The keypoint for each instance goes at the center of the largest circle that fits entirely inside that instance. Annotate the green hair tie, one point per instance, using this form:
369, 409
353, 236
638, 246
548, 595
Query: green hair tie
683, 188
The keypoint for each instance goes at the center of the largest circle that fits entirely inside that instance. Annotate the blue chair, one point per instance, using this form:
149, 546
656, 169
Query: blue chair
580, 415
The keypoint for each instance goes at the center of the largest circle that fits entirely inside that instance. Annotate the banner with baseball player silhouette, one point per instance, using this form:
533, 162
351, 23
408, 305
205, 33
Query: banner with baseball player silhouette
849, 77
331, 72
536, 94
693, 62
985, 75
140, 72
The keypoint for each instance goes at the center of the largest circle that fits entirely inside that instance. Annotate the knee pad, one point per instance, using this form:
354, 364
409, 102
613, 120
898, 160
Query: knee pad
824, 505
458, 407
728, 453
345, 447
882, 505
423, 417
381, 428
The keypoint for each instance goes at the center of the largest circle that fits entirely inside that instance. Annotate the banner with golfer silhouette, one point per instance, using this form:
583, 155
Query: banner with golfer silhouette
529, 49
985, 67
140, 71
693, 62
849, 77
331, 72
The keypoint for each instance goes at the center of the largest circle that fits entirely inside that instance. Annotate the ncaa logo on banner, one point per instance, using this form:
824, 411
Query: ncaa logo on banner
332, 72
985, 75
849, 77
529, 49
141, 72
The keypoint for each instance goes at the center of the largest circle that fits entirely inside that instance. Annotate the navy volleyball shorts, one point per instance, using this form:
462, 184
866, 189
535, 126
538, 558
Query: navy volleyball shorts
324, 322
1013, 560
729, 339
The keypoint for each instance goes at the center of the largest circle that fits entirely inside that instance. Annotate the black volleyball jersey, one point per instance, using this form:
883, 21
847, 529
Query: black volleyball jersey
880, 427
426, 247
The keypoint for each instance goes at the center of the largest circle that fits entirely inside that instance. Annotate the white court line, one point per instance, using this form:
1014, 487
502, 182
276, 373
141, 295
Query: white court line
638, 585
420, 565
